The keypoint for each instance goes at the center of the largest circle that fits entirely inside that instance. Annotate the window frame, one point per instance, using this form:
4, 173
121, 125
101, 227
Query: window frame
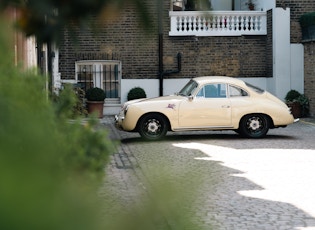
238, 87
97, 78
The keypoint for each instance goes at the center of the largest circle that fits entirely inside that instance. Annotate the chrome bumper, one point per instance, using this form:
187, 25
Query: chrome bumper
118, 121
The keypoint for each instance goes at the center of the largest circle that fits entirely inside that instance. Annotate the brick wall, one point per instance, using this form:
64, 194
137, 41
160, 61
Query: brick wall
309, 74
123, 39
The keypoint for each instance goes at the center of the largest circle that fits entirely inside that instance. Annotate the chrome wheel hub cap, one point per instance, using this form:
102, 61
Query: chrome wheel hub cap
254, 124
153, 127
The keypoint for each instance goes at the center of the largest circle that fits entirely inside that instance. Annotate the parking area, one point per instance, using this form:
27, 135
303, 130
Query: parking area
235, 183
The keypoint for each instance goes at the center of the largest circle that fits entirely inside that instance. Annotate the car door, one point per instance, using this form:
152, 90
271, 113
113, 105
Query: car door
209, 108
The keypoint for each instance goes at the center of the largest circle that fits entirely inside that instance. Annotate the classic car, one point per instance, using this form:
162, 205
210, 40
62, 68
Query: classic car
206, 103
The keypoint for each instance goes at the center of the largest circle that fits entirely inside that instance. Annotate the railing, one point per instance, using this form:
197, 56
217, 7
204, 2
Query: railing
217, 23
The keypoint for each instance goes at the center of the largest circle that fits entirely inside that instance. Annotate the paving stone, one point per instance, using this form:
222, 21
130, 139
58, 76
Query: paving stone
221, 202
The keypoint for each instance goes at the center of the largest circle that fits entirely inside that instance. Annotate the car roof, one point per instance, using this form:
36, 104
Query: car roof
216, 79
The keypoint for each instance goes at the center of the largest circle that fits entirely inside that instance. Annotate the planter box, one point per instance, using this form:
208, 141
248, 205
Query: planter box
95, 107
296, 109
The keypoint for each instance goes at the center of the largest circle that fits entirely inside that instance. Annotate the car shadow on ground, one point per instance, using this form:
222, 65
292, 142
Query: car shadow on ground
206, 136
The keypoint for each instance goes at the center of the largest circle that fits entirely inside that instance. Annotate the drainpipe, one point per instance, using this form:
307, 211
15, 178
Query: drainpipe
161, 68
163, 73
160, 28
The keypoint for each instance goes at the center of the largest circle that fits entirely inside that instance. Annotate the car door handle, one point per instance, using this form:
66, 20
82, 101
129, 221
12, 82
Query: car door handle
225, 106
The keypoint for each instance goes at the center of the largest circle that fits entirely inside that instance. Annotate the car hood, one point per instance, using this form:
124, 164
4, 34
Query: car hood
156, 99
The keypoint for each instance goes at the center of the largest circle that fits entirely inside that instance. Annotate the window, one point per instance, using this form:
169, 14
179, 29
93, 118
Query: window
189, 88
102, 74
237, 92
212, 91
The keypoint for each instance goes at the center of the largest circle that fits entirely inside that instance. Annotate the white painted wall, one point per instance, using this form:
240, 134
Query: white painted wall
280, 83
297, 67
223, 5
267, 4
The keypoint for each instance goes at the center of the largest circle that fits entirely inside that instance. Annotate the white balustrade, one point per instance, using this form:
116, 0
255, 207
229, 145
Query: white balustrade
217, 23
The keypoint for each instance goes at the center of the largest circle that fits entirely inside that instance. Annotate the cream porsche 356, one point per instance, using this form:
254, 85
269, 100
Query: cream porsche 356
206, 103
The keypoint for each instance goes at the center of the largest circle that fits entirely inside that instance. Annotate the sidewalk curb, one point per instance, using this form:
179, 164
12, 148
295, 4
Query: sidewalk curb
309, 121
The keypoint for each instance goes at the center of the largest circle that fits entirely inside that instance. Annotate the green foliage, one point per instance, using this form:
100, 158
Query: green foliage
136, 93
307, 20
47, 19
305, 103
295, 96
70, 102
50, 168
95, 94
292, 95
79, 109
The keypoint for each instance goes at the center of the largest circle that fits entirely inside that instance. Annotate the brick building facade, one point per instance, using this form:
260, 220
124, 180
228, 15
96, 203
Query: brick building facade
123, 39
138, 50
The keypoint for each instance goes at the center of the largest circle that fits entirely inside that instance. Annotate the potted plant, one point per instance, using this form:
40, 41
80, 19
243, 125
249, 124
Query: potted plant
307, 23
298, 103
136, 93
95, 101
251, 5
305, 104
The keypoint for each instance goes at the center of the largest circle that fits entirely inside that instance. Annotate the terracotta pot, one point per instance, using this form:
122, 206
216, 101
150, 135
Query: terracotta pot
95, 107
296, 109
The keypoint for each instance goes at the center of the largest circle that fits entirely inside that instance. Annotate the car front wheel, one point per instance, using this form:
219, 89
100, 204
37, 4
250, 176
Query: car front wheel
254, 126
153, 127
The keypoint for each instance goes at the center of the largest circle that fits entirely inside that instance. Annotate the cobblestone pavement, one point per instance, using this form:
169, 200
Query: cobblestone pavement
242, 183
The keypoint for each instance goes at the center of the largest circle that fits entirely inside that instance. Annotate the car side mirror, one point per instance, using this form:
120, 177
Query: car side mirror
190, 98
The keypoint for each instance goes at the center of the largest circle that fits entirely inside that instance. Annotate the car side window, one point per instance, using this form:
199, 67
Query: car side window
201, 92
237, 92
212, 91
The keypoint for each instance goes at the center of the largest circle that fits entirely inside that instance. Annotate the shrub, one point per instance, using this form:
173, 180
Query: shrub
292, 96
307, 19
305, 103
50, 169
70, 102
95, 94
136, 93
295, 96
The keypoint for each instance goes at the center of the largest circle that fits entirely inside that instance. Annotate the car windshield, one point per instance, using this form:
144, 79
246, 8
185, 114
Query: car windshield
188, 88
255, 88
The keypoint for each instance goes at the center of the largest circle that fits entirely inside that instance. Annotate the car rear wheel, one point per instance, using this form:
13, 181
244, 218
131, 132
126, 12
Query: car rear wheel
254, 126
153, 127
